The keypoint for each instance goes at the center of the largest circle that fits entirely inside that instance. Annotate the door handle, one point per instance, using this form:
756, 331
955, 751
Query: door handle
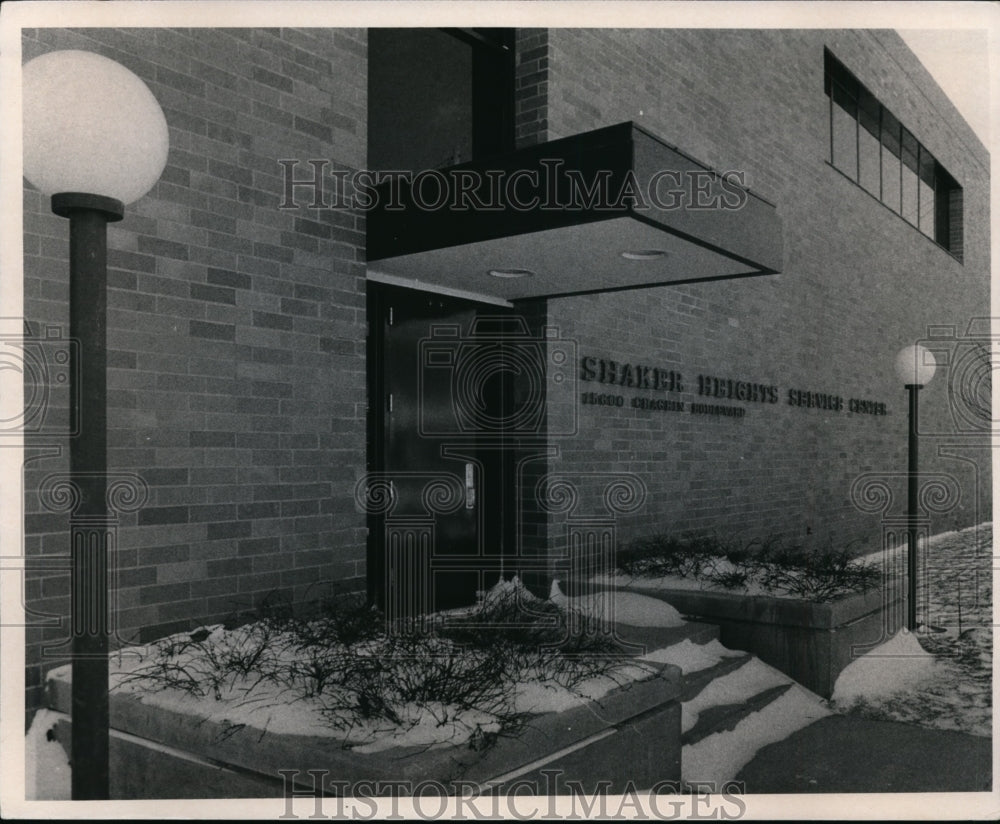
470, 486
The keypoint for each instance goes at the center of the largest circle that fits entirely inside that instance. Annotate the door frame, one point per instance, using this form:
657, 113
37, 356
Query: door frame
379, 296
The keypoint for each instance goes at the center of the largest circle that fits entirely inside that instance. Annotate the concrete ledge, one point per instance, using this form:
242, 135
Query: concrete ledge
810, 642
631, 734
141, 768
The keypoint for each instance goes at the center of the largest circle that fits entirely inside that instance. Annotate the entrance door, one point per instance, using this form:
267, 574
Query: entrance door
442, 537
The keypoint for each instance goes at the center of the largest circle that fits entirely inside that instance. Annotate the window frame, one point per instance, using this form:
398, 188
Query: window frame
936, 223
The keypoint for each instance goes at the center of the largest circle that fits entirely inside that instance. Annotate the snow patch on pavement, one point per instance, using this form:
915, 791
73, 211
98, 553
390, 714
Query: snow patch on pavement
691, 657
901, 681
924, 542
956, 607
897, 665
719, 757
736, 687
47, 774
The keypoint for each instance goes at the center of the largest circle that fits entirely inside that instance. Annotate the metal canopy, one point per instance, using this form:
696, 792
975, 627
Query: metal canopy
616, 208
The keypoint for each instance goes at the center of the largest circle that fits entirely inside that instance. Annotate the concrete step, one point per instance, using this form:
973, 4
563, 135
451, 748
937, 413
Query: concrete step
640, 640
726, 693
694, 682
731, 710
725, 717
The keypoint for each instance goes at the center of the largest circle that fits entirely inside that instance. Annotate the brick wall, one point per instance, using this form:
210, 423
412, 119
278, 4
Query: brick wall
858, 284
236, 334
531, 87
237, 329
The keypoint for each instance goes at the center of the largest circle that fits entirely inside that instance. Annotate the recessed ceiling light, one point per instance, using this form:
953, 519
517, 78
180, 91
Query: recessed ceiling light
643, 254
511, 273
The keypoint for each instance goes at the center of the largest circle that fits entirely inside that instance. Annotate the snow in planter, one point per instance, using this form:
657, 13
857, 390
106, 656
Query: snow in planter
630, 608
758, 568
343, 677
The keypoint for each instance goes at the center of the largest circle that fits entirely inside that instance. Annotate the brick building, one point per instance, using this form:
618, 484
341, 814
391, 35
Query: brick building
282, 352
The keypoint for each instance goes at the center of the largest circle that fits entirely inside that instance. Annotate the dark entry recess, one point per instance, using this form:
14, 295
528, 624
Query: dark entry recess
439, 96
440, 396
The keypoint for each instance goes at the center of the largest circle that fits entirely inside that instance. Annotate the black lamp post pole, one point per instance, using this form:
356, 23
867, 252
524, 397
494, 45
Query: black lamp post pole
90, 532
912, 490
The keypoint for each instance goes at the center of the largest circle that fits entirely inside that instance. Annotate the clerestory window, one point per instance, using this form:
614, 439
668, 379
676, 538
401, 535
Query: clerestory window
875, 150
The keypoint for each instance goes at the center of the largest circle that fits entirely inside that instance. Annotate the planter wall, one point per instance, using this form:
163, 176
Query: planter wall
810, 642
630, 735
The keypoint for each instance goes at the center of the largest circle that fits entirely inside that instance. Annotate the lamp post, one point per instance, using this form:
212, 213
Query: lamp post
95, 139
915, 366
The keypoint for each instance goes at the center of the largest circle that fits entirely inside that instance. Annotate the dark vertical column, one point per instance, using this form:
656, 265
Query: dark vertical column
911, 496
377, 316
90, 528
493, 93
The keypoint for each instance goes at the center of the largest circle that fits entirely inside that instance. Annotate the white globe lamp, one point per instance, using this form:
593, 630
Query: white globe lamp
95, 139
915, 365
90, 126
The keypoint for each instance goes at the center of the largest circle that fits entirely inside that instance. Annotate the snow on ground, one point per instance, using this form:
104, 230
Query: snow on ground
46, 768
983, 530
939, 691
691, 657
718, 758
955, 606
430, 725
898, 664
623, 607
942, 676
940, 679
736, 687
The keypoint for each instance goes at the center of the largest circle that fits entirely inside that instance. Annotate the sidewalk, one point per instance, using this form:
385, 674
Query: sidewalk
849, 753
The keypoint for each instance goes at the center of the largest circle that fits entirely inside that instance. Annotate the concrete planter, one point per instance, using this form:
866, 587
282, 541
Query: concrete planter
631, 734
811, 642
